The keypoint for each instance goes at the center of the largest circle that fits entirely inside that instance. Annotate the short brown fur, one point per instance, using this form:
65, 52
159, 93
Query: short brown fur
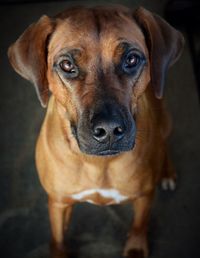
63, 169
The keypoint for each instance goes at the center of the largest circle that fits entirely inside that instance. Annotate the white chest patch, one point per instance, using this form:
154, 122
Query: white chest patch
106, 193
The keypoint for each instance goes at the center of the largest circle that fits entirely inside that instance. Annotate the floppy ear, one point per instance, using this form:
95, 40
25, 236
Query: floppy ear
164, 43
28, 56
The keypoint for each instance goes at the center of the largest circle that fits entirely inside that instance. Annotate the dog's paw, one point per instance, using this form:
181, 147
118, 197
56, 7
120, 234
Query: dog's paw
58, 251
136, 247
168, 184
133, 253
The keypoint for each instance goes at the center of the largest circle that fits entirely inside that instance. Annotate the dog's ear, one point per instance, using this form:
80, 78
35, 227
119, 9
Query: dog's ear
28, 56
164, 43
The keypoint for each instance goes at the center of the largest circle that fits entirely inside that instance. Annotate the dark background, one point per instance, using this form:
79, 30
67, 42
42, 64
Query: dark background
96, 231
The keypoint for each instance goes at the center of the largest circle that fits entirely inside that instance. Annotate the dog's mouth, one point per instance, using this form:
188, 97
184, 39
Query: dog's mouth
108, 152
112, 152
98, 151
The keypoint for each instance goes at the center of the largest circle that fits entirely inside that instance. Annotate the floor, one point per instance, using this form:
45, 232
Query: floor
95, 231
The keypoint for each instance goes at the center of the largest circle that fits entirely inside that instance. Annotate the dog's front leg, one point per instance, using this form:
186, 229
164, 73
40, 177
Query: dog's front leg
59, 214
136, 245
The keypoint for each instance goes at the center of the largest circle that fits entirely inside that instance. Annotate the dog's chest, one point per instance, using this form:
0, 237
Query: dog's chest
110, 185
100, 196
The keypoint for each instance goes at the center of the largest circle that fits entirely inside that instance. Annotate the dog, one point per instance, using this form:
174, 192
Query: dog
101, 72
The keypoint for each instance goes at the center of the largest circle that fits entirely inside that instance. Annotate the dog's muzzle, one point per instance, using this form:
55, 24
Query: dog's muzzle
106, 130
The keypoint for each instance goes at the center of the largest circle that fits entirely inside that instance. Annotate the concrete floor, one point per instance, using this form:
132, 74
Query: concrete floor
94, 231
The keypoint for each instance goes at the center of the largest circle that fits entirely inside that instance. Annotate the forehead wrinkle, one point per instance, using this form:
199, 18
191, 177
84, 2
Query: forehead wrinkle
70, 35
115, 31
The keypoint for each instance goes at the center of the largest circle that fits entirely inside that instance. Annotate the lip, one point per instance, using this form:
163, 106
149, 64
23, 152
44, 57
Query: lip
108, 153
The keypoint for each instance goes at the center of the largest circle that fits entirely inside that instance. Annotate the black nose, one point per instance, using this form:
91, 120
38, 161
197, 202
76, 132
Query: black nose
108, 131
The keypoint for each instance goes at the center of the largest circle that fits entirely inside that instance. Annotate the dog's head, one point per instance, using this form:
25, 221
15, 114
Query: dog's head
97, 62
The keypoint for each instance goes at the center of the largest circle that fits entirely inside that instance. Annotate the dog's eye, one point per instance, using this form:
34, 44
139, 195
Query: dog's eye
67, 66
132, 61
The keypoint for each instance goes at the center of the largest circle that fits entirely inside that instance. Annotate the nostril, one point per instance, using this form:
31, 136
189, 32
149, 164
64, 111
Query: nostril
109, 132
118, 131
99, 132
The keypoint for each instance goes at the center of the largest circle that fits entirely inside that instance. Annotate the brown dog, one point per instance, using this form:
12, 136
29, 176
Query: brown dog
103, 139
